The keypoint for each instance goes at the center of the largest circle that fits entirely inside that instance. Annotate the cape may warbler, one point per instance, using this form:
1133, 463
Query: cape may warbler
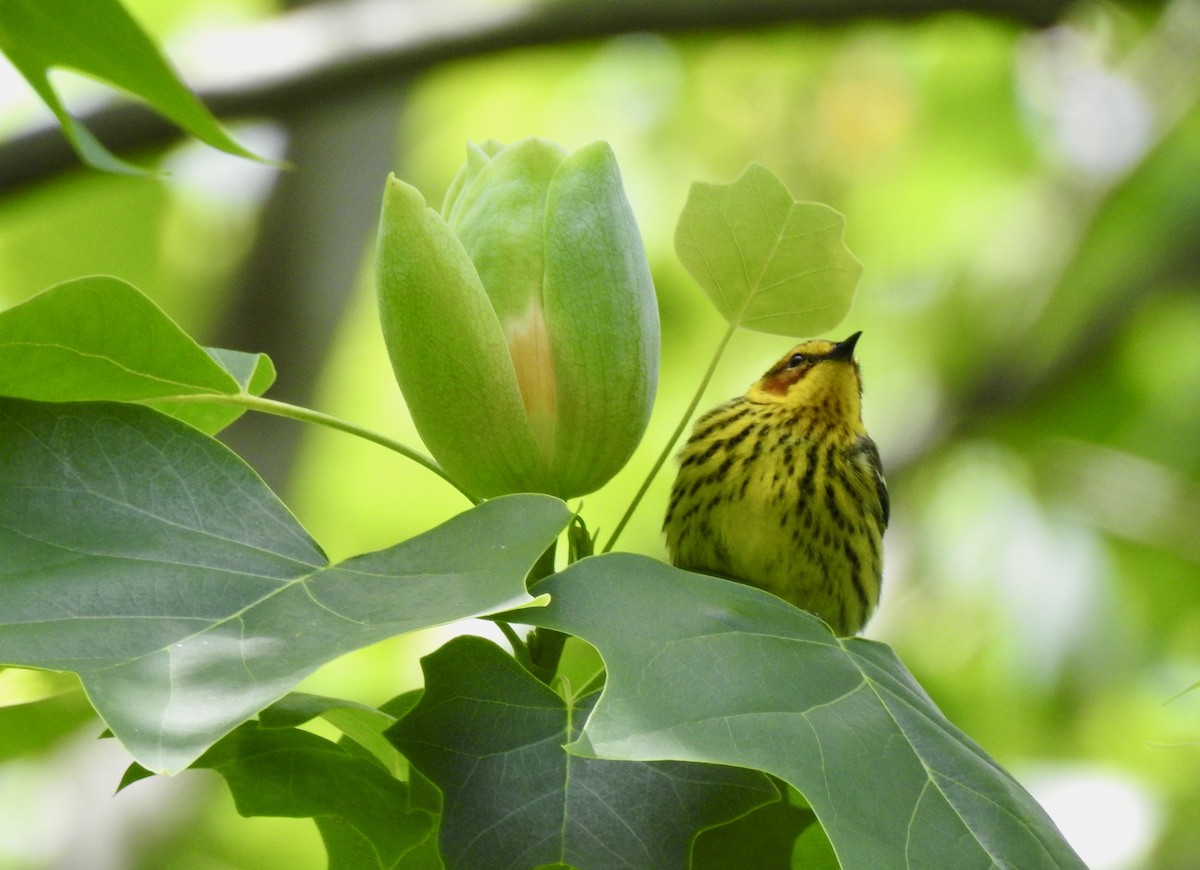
781, 488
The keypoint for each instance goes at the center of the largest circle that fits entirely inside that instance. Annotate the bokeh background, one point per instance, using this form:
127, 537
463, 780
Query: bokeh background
1021, 182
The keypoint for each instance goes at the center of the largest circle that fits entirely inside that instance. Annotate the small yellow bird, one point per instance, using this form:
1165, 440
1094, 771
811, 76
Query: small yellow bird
782, 489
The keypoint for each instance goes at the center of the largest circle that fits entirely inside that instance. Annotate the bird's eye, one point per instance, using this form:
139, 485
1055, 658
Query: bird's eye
797, 360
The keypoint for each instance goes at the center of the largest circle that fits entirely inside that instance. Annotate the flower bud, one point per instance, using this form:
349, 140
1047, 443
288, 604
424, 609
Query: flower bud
521, 321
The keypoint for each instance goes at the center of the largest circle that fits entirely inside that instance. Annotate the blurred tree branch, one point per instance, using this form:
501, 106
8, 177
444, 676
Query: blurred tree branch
359, 46
333, 74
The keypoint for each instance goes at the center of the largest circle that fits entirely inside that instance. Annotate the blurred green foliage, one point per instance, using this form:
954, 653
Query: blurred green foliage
1024, 204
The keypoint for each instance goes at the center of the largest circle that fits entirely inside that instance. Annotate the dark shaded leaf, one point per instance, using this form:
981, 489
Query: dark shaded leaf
763, 838
490, 736
362, 811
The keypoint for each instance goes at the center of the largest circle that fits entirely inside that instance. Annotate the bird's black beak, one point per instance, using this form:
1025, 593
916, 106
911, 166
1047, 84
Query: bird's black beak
844, 350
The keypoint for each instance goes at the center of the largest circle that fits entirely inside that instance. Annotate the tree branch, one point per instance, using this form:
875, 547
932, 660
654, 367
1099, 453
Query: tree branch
319, 53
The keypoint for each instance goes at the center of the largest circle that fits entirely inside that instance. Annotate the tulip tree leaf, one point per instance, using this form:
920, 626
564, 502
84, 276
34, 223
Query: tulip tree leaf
767, 262
149, 559
764, 838
289, 773
100, 39
362, 724
296, 708
702, 669
98, 338
273, 770
253, 372
490, 736
350, 849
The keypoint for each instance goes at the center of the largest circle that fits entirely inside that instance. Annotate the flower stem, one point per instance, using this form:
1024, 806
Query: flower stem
308, 415
670, 445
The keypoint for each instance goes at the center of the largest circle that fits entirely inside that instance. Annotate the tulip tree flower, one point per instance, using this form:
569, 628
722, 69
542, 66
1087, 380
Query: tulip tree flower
521, 321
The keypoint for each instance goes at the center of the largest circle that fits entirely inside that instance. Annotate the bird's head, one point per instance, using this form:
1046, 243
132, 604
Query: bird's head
818, 376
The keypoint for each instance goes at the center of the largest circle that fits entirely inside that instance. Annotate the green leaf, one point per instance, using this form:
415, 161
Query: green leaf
763, 838
350, 850
99, 39
703, 669
252, 372
153, 562
366, 817
362, 724
767, 262
34, 729
296, 774
813, 851
296, 708
490, 736
99, 338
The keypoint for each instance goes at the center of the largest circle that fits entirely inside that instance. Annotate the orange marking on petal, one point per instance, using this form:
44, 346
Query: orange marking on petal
533, 360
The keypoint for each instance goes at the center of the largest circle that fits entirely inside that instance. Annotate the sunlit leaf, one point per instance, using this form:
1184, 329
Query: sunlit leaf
702, 669
32, 730
100, 39
253, 372
153, 562
98, 338
767, 262
491, 736
24, 686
